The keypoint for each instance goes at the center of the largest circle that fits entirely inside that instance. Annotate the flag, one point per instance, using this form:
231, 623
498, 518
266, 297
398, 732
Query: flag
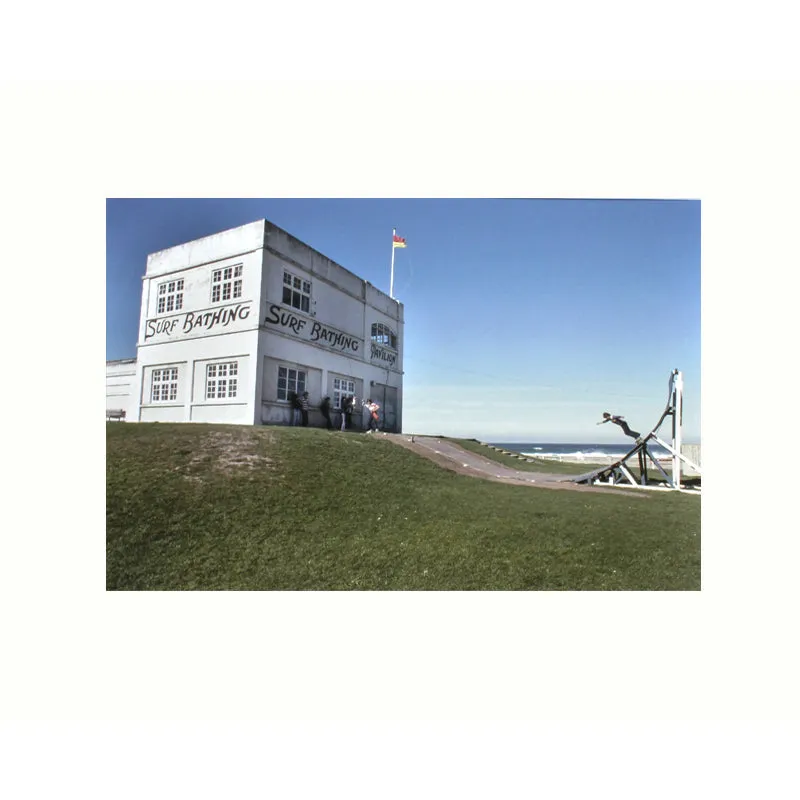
398, 241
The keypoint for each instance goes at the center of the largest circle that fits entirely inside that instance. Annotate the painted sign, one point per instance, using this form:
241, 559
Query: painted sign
190, 322
380, 354
311, 330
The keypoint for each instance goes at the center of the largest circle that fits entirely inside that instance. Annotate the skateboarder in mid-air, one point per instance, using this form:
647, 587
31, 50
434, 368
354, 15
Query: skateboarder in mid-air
621, 422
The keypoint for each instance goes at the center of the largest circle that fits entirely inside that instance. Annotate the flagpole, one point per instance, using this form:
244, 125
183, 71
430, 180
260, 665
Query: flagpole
391, 279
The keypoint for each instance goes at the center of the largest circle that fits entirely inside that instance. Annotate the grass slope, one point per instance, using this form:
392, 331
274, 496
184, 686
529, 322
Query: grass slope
234, 507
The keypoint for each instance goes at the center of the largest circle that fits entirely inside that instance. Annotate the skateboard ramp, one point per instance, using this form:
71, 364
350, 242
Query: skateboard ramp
619, 473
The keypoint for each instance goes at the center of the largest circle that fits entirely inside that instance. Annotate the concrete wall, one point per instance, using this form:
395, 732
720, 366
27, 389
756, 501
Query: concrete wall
259, 331
121, 385
333, 338
335, 321
236, 241
203, 331
692, 452
200, 316
191, 357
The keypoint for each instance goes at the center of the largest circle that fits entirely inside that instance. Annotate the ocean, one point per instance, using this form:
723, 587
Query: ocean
578, 451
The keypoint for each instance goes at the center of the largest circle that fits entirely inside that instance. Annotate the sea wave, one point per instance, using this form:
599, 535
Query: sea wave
575, 454
589, 455
578, 451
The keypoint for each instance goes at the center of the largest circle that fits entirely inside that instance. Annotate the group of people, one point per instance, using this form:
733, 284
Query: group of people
299, 405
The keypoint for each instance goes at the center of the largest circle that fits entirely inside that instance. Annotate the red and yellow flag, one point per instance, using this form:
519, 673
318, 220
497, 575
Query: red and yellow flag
398, 241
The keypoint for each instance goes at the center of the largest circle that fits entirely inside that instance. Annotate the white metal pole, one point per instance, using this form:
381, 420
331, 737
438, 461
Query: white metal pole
677, 413
391, 278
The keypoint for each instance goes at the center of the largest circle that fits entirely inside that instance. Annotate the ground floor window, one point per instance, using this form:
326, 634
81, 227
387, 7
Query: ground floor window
290, 380
164, 386
222, 380
342, 387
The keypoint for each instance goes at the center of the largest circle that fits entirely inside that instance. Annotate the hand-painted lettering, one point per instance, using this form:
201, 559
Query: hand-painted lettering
196, 320
286, 319
273, 315
382, 355
318, 332
333, 337
155, 326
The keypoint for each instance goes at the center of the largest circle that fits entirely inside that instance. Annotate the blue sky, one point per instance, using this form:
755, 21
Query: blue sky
525, 319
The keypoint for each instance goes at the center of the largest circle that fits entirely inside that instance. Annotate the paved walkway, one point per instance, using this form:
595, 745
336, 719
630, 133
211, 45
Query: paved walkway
450, 456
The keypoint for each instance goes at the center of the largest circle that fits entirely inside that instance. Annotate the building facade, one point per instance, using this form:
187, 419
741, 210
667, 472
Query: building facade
231, 324
120, 379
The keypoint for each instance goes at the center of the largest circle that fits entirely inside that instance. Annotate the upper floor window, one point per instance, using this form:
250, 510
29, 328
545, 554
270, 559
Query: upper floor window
382, 334
296, 292
170, 296
164, 386
222, 380
226, 283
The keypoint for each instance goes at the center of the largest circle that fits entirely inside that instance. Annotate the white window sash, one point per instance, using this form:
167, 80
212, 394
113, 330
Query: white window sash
222, 380
226, 283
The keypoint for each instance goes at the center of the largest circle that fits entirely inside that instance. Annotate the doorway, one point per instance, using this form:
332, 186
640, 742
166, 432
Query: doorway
386, 397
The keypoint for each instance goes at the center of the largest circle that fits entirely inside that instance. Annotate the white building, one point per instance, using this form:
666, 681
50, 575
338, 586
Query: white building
232, 323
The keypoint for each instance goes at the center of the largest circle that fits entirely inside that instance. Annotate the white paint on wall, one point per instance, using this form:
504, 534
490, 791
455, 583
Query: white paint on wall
220, 301
120, 385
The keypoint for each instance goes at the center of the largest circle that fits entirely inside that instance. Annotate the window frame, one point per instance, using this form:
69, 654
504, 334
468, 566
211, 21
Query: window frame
298, 387
296, 285
225, 375
227, 279
169, 296
167, 385
338, 392
381, 334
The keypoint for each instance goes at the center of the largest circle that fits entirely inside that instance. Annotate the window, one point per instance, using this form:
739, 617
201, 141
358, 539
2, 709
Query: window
382, 334
341, 387
222, 380
226, 283
296, 292
164, 386
290, 380
170, 296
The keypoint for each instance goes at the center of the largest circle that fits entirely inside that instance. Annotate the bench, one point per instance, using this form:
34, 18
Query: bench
115, 413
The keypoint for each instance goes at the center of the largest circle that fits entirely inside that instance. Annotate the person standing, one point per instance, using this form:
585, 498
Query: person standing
294, 408
346, 404
373, 409
325, 408
304, 410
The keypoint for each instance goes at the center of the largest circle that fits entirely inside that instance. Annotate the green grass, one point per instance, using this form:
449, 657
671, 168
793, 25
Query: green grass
348, 511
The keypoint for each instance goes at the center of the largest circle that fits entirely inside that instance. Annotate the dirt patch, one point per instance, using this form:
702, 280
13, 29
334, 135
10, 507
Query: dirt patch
230, 451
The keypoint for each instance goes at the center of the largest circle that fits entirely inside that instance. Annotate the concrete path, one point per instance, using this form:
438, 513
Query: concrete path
450, 456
